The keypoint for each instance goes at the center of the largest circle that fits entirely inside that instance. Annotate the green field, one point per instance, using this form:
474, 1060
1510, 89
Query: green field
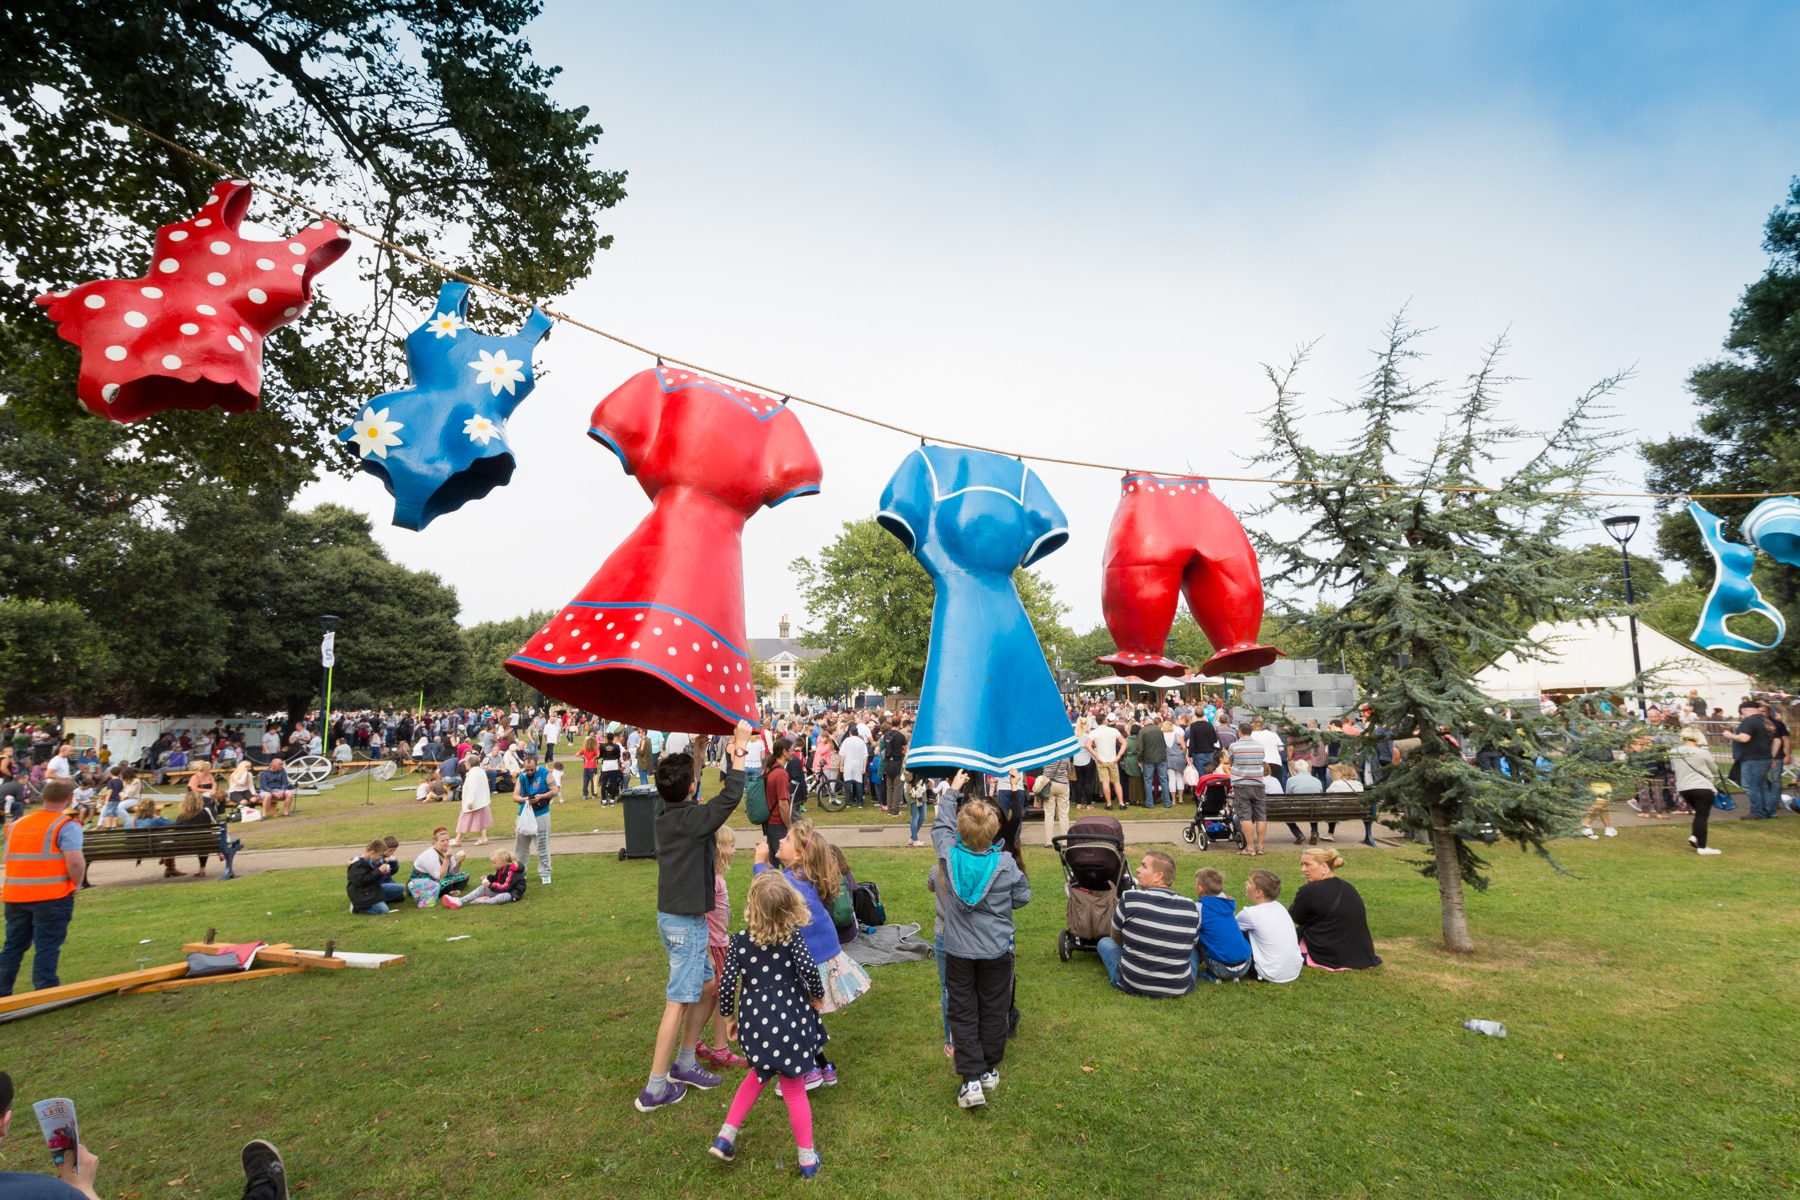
1649, 994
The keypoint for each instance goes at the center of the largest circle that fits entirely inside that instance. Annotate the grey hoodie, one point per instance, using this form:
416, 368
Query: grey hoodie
983, 929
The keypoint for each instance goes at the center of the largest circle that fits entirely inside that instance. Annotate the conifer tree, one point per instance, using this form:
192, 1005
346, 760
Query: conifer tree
1427, 585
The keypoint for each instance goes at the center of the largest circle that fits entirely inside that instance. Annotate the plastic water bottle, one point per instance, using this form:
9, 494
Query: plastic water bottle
1491, 1028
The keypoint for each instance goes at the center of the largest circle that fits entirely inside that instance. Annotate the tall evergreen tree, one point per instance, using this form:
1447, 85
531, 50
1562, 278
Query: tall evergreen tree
1747, 437
1428, 585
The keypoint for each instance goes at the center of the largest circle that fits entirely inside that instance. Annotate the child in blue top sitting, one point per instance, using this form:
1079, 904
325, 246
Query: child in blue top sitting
1222, 954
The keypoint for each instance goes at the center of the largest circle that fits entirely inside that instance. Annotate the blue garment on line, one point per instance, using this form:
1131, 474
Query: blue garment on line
1732, 594
441, 442
1774, 528
971, 518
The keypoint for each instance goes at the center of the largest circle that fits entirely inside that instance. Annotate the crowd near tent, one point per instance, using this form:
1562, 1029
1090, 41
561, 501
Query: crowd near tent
1588, 656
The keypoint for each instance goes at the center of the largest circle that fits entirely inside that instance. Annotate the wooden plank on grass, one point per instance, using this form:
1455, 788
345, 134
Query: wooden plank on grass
91, 987
230, 976
351, 958
283, 955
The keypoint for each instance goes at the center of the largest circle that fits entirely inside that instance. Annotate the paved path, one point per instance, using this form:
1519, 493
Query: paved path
255, 862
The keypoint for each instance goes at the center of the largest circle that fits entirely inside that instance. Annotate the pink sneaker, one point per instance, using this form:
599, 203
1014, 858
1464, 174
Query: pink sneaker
452, 902
728, 1060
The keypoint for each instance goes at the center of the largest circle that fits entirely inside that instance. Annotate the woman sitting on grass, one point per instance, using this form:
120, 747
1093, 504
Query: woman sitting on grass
437, 871
1329, 916
505, 885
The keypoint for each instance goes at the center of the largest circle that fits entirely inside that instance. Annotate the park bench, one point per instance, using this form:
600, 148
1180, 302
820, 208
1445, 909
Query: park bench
166, 841
1330, 806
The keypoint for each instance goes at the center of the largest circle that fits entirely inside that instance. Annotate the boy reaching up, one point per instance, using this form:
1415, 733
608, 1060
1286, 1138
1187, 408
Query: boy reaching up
685, 869
986, 885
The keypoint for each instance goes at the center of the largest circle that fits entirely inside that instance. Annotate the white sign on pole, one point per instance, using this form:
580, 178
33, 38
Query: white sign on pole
327, 651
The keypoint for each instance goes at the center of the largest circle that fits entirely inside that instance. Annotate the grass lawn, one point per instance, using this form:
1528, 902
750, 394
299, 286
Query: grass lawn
344, 815
1649, 995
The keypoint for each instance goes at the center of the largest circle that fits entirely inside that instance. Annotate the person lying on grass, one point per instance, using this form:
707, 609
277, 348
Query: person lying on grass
1274, 945
505, 885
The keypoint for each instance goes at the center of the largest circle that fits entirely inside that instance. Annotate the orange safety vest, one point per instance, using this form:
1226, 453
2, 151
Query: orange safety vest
35, 869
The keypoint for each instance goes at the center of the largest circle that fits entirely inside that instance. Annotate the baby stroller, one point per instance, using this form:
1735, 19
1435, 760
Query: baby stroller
1213, 819
1094, 876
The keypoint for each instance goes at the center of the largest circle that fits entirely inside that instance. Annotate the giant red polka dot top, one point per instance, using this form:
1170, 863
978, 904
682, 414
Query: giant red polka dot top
189, 334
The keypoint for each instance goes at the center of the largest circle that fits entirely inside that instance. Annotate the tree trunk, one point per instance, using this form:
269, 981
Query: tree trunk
1450, 883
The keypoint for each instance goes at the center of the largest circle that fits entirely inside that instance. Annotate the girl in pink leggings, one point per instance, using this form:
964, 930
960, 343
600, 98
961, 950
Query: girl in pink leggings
775, 1019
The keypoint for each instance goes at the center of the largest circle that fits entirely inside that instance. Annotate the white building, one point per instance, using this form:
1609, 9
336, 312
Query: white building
785, 660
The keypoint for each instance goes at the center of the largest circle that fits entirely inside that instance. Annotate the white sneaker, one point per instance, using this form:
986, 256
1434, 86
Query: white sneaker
1588, 833
1611, 832
1706, 850
1692, 840
970, 1095
990, 1080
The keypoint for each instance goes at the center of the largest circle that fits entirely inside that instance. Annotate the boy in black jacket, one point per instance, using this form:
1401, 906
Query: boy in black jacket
685, 865
364, 878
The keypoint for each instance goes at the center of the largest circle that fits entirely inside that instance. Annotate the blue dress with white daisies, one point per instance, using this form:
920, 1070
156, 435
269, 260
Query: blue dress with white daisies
441, 442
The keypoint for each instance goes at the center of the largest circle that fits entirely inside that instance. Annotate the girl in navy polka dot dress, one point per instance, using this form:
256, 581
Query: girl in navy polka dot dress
774, 1015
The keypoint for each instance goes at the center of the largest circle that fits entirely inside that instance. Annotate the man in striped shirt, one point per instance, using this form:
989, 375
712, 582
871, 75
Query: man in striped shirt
1249, 795
1151, 950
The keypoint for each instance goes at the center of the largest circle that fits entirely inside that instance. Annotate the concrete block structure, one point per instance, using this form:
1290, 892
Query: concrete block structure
1297, 686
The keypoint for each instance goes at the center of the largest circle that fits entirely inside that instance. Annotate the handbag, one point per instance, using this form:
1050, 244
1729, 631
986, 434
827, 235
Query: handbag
526, 824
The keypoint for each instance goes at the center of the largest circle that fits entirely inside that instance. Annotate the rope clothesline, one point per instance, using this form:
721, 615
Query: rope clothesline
787, 396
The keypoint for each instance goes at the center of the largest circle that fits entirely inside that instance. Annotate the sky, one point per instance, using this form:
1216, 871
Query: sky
1081, 230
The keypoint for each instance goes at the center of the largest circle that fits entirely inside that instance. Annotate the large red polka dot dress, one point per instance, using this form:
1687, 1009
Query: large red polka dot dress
656, 638
189, 334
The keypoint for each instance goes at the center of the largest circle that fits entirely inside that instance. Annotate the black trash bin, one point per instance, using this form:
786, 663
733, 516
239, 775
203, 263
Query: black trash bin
641, 804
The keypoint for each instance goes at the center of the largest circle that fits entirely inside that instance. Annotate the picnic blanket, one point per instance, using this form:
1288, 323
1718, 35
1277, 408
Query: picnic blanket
883, 944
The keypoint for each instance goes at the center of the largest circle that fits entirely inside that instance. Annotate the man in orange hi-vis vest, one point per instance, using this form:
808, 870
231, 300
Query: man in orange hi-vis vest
44, 865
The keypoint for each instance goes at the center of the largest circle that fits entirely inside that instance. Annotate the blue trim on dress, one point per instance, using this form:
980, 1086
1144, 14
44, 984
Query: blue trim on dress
606, 441
1164, 479
811, 489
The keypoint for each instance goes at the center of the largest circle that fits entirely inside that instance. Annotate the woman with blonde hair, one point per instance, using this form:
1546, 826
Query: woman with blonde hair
1329, 916
1695, 773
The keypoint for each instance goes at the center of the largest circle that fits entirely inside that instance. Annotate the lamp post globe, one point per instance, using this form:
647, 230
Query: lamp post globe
1620, 527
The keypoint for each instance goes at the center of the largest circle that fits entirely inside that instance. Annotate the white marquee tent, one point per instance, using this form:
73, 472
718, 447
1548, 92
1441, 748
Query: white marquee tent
1585, 656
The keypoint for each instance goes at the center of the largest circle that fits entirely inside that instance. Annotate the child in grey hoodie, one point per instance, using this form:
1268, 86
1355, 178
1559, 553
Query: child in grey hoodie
986, 885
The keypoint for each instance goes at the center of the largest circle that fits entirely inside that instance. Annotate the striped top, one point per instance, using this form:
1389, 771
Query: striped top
1247, 757
1157, 930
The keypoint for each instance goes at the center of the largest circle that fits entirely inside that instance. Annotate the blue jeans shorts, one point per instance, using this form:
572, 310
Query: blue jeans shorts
690, 966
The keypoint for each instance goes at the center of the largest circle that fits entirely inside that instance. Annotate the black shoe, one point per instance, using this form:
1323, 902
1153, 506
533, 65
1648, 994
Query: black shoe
265, 1178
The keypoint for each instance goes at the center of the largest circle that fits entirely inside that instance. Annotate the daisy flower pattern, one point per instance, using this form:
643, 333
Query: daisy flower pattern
445, 324
481, 430
498, 371
373, 433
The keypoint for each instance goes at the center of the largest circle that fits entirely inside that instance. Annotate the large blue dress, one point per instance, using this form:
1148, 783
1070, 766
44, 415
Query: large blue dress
441, 442
989, 702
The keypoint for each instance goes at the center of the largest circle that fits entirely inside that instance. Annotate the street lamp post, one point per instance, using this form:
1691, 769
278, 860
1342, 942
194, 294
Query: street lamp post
1620, 529
327, 664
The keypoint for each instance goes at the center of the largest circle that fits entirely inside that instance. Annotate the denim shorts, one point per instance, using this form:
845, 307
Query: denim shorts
690, 966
